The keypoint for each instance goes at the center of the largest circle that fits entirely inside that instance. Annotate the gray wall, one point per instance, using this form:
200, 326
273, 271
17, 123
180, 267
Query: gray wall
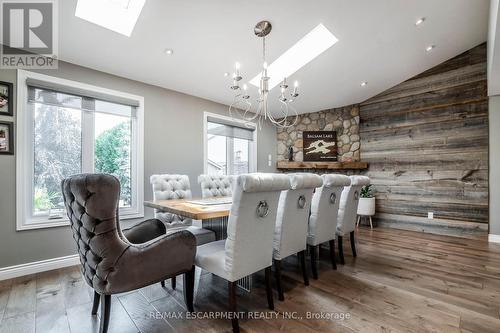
173, 138
494, 115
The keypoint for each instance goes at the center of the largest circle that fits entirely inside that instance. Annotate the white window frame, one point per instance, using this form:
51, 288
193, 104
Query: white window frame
252, 151
24, 167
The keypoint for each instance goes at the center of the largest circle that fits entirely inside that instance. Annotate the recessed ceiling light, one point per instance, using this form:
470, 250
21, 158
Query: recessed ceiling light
226, 74
430, 48
420, 21
169, 51
117, 15
364, 83
306, 49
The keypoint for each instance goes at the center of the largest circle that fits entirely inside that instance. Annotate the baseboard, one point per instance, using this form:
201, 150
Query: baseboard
493, 238
38, 266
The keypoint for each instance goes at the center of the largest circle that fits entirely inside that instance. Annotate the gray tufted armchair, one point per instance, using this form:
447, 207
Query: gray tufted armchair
216, 185
114, 261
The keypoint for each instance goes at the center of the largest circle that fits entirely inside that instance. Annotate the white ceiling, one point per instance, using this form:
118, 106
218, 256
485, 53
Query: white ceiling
379, 43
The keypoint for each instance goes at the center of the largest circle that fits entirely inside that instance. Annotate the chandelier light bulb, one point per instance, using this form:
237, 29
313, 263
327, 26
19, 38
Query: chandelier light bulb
265, 65
296, 84
237, 65
245, 87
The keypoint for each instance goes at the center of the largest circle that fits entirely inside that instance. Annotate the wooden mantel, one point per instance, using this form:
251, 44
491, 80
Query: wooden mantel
322, 165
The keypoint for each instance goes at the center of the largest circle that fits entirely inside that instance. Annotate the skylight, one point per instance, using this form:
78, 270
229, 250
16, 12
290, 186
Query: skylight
309, 47
116, 15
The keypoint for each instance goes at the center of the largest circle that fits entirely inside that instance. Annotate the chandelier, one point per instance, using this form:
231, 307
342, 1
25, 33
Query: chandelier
286, 116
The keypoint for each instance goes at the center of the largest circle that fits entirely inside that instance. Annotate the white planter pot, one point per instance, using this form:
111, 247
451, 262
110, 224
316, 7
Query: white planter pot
366, 206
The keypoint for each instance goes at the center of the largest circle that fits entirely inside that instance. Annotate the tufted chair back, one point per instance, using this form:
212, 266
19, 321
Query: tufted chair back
349, 204
324, 209
91, 202
293, 215
249, 243
216, 185
171, 187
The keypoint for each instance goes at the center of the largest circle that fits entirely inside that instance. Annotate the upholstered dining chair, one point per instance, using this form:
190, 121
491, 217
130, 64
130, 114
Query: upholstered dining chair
323, 218
114, 261
249, 244
171, 187
290, 233
213, 186
348, 212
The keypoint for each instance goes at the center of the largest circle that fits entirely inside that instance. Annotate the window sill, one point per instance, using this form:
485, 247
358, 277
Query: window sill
46, 223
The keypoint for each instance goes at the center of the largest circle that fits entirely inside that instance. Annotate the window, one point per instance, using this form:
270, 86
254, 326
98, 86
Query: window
67, 128
229, 146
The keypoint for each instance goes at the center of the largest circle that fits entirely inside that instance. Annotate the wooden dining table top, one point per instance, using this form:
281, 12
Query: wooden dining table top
190, 209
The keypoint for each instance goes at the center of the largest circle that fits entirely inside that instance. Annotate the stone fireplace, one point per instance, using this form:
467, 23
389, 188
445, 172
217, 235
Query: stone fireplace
345, 121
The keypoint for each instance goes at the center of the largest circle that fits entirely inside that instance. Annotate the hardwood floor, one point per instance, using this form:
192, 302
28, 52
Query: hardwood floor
401, 281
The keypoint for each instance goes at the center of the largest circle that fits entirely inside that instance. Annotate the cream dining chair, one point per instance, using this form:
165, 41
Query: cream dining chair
290, 233
249, 244
323, 218
348, 212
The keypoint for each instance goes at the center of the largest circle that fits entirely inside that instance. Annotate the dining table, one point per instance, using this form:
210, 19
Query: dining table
213, 213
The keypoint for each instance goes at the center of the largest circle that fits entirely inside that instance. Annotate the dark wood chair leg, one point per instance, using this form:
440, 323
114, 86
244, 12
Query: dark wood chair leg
277, 276
162, 284
189, 289
353, 245
174, 282
95, 306
332, 254
269, 288
105, 313
232, 306
341, 250
302, 259
314, 267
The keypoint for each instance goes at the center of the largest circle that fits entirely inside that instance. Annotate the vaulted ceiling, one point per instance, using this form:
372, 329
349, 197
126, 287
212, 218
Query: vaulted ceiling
378, 43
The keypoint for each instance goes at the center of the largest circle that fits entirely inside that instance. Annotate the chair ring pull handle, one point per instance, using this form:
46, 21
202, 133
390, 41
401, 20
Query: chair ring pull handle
262, 209
302, 202
356, 195
333, 198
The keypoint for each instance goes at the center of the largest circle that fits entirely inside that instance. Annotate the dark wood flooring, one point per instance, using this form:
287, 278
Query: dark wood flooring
401, 281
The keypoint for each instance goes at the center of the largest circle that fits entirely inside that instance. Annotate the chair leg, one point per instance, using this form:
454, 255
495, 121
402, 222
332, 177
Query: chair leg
162, 284
371, 223
277, 276
314, 267
332, 254
269, 288
232, 306
105, 313
353, 245
302, 259
189, 289
95, 306
341, 250
173, 281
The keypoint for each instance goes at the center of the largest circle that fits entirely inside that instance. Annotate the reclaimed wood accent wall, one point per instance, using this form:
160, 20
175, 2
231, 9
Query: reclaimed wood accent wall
426, 142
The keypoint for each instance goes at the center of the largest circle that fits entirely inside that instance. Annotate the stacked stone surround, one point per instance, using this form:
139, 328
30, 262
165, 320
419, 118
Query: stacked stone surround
345, 121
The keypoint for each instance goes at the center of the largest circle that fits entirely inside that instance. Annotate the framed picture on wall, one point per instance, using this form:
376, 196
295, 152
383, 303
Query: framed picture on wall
6, 98
320, 146
6, 138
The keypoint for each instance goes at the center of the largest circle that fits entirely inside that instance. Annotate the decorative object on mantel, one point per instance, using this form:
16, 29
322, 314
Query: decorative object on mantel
6, 98
287, 114
290, 154
320, 146
366, 205
6, 138
284, 165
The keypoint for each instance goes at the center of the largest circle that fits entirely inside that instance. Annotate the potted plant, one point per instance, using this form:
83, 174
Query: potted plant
366, 205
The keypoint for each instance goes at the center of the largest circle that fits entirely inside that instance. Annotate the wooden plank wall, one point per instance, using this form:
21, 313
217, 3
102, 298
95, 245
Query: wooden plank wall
426, 142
